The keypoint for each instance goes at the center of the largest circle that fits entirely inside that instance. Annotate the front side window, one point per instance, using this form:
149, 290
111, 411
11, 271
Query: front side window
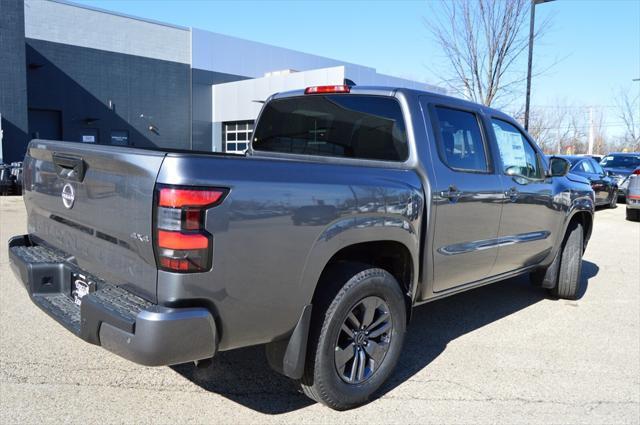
598, 169
519, 158
461, 143
341, 125
585, 166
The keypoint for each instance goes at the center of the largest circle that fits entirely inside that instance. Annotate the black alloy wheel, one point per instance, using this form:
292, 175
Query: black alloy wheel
363, 341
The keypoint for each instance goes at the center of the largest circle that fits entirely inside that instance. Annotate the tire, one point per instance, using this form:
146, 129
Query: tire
614, 199
633, 215
366, 294
569, 284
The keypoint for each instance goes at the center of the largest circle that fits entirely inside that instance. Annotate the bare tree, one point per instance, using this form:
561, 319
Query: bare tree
629, 112
547, 127
564, 127
482, 41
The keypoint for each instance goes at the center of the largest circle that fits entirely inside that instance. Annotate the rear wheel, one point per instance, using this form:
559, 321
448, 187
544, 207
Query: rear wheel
633, 214
569, 284
356, 338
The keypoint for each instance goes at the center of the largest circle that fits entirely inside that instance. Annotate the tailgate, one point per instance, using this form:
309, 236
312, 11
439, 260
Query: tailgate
96, 204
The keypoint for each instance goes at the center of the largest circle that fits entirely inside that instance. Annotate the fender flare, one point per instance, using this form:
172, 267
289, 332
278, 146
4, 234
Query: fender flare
356, 230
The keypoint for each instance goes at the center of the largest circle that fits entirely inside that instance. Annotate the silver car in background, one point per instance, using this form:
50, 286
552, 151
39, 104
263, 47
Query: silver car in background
633, 196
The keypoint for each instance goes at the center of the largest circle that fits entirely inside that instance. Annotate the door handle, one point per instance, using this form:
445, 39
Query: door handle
453, 194
512, 194
69, 167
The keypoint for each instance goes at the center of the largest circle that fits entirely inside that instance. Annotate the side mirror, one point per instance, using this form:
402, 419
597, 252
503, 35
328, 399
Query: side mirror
513, 170
558, 167
608, 173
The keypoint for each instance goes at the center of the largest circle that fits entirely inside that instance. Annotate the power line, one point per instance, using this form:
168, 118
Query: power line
580, 126
575, 107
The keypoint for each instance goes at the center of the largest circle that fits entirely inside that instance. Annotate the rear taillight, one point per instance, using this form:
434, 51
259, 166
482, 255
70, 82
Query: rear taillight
181, 241
636, 171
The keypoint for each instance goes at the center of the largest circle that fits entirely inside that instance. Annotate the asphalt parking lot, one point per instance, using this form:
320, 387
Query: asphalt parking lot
504, 353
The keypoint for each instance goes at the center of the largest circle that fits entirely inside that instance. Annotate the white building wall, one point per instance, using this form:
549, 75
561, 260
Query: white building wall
222, 53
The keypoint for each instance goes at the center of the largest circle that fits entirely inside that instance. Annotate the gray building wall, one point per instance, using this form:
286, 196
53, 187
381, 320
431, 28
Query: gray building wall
93, 72
13, 83
202, 106
77, 84
80, 25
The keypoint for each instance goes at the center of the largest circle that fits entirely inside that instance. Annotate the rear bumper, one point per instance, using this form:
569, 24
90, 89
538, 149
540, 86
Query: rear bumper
112, 317
633, 203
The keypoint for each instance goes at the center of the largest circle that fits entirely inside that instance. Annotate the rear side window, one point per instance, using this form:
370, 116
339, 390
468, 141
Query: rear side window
349, 126
461, 144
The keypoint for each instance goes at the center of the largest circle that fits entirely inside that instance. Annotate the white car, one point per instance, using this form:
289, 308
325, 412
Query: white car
633, 196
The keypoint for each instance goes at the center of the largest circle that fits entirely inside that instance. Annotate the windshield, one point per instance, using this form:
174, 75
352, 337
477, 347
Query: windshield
621, 161
350, 126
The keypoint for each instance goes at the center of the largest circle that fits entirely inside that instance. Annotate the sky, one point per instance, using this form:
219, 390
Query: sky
592, 47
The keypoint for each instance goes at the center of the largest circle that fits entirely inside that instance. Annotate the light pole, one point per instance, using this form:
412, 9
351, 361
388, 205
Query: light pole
531, 32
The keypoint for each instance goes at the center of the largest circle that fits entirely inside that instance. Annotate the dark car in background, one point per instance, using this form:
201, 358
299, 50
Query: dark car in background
604, 186
620, 166
598, 158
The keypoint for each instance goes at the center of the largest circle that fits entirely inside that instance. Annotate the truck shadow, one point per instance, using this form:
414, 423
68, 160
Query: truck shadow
245, 377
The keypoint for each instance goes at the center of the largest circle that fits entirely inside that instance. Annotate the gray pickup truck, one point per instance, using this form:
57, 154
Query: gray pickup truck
352, 206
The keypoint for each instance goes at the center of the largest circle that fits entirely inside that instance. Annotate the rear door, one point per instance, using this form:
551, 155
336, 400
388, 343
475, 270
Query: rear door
96, 203
467, 197
602, 186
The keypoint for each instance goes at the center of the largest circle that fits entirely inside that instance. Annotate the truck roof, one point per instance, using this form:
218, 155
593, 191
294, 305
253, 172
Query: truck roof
391, 90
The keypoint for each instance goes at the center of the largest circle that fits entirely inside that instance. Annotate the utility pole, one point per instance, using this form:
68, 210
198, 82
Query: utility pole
592, 131
532, 20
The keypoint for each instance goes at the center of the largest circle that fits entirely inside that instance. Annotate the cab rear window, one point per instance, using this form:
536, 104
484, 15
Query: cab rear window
348, 126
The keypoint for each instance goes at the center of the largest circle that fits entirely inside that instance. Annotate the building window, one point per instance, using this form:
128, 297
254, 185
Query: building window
236, 136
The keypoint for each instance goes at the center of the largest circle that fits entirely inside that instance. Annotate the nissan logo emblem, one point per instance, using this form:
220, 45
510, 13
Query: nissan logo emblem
68, 195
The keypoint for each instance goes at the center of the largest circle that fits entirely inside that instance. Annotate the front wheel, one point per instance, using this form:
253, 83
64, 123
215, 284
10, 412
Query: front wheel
356, 338
569, 285
614, 199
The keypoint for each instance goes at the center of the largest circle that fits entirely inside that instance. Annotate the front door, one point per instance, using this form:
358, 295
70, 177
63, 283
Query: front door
467, 195
529, 219
585, 169
602, 186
